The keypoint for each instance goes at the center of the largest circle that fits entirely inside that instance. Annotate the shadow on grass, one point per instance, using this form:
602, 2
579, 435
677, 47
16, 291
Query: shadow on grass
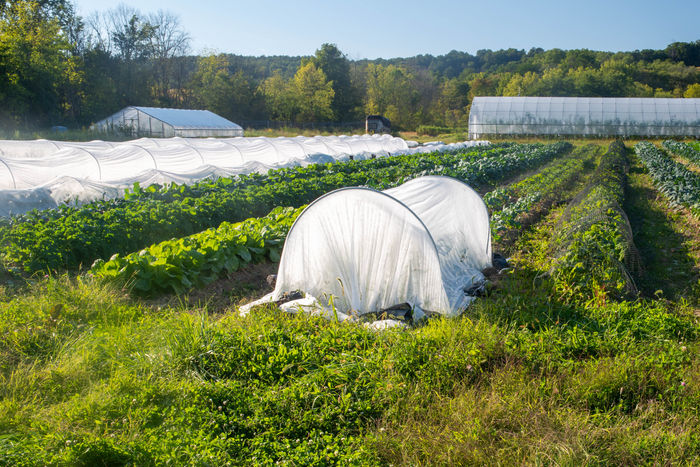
667, 263
526, 299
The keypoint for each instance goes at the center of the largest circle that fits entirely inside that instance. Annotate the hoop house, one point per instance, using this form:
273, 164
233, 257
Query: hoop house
594, 116
166, 123
360, 251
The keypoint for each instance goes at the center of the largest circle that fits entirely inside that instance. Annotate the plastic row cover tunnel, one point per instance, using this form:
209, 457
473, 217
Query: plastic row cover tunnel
28, 164
359, 251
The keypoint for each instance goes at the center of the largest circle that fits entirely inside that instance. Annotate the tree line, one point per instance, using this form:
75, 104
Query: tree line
59, 68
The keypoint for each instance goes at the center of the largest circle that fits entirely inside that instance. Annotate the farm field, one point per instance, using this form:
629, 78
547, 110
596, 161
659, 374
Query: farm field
120, 341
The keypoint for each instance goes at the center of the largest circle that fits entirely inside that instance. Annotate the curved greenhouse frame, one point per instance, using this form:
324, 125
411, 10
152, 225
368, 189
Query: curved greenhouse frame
456, 216
364, 248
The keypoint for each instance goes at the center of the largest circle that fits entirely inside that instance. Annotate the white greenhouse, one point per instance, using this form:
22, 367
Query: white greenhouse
356, 250
165, 123
587, 116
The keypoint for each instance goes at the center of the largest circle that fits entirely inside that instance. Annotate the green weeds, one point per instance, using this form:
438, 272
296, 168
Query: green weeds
520, 377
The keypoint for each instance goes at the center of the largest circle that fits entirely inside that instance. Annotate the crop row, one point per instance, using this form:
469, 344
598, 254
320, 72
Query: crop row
508, 204
680, 185
593, 246
684, 150
71, 237
179, 264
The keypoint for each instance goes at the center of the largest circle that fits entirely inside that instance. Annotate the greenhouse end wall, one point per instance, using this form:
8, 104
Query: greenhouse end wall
584, 116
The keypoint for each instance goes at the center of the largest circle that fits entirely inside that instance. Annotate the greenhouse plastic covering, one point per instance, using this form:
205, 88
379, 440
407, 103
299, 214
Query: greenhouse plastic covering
160, 122
42, 174
617, 116
423, 243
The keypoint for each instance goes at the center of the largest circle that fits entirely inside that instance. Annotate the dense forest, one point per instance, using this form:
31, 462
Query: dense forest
57, 68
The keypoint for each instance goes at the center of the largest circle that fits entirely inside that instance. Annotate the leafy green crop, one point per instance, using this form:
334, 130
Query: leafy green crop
179, 264
680, 185
593, 246
507, 204
683, 150
73, 236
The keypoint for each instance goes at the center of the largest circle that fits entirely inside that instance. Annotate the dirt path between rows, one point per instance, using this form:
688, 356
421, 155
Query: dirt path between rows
243, 286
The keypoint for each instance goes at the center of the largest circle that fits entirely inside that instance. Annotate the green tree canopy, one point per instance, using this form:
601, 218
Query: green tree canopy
391, 92
313, 94
215, 88
336, 67
37, 67
278, 96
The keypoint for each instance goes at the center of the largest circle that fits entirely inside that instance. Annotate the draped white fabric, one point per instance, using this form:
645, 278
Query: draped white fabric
42, 164
423, 243
458, 221
366, 250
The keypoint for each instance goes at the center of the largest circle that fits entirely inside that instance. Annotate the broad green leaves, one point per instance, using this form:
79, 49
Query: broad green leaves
673, 179
179, 264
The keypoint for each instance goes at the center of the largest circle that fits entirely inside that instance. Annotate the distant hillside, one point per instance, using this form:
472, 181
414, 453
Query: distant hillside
57, 68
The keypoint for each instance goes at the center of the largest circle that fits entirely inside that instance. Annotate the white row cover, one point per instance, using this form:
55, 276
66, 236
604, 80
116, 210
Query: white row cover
357, 250
42, 174
633, 116
27, 164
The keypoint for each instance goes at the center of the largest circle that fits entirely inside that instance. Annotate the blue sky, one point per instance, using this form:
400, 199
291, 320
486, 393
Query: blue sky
391, 28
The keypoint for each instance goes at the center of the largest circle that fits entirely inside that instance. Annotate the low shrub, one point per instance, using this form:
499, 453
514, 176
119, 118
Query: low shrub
432, 130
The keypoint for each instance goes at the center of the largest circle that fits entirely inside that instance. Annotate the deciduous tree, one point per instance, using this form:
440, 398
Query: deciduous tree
391, 92
313, 94
36, 66
215, 88
336, 67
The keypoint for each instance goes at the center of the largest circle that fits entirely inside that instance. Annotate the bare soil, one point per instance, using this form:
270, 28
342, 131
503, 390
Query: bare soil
236, 289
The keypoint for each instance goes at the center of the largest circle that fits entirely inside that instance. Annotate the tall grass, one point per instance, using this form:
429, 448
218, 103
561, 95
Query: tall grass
520, 378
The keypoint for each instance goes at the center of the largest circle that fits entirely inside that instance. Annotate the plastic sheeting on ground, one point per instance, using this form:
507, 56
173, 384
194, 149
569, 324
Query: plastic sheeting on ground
42, 174
359, 251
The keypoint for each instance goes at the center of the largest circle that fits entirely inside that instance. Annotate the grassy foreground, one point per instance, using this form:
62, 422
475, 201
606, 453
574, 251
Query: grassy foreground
90, 377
